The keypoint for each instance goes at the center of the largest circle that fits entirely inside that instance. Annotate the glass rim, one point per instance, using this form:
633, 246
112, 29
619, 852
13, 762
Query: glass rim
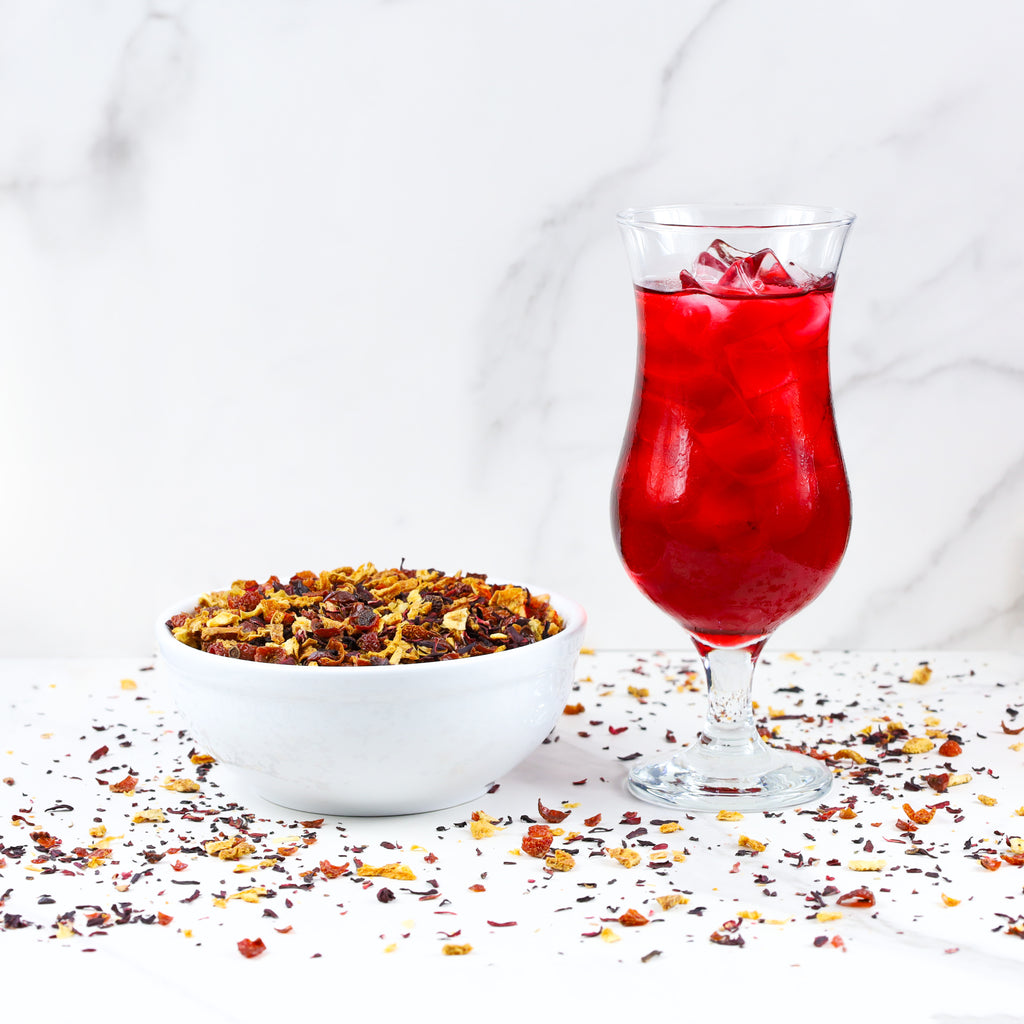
770, 216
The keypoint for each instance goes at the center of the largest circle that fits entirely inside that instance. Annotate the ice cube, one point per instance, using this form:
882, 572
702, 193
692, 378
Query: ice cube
689, 282
727, 516
760, 363
737, 446
726, 253
800, 277
714, 261
758, 274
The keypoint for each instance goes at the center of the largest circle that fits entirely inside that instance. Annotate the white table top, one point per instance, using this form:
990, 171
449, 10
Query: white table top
935, 958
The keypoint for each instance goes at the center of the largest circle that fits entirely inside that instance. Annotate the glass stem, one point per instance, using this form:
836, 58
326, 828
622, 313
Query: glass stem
729, 729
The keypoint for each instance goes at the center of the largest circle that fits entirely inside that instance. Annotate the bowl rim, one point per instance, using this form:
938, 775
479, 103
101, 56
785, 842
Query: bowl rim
572, 612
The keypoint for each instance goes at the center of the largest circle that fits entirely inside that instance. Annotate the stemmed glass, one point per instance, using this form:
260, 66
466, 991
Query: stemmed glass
731, 503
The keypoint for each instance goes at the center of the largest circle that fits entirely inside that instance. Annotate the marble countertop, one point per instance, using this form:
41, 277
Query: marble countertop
118, 889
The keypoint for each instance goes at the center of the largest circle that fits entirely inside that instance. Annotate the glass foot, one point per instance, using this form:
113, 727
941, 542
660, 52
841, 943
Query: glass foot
693, 781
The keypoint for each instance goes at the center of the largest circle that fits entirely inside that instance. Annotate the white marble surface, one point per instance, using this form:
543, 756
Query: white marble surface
297, 285
926, 959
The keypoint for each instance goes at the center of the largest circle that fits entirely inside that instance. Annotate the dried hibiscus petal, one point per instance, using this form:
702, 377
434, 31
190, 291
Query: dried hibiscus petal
728, 935
940, 782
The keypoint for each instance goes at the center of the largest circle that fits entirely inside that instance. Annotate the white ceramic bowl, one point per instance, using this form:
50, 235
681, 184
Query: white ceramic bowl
375, 739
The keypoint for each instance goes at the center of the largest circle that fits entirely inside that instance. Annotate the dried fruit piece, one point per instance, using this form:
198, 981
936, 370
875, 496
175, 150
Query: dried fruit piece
153, 815
251, 947
178, 785
561, 860
918, 745
626, 857
632, 919
329, 870
229, 849
862, 897
395, 870
867, 864
251, 895
752, 844
537, 843
950, 749
853, 755
921, 817
671, 900
920, 675
729, 816
456, 949
548, 814
482, 825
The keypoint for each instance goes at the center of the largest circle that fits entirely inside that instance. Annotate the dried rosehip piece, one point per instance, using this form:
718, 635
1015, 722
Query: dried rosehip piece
921, 817
251, 947
537, 840
862, 897
632, 919
551, 815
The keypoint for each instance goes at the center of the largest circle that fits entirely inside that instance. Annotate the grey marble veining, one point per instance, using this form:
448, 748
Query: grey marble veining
288, 285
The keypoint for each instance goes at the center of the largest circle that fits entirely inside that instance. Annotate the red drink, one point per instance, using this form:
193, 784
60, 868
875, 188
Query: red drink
732, 499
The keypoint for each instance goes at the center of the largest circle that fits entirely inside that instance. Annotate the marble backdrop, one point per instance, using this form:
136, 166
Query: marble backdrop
300, 284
